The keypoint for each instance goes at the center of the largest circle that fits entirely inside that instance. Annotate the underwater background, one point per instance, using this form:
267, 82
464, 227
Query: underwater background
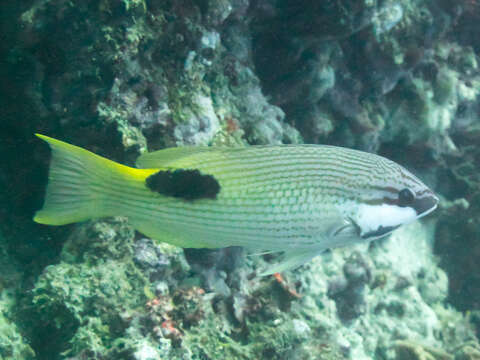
399, 78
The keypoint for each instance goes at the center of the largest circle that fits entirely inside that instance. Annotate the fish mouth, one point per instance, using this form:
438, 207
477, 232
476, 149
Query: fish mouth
426, 204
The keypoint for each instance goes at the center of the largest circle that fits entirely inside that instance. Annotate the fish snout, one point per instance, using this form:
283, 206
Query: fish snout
425, 203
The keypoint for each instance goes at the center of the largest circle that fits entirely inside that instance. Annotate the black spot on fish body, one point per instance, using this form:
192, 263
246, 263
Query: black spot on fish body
185, 184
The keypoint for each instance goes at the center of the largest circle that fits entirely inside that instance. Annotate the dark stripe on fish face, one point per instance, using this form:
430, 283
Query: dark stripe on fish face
381, 231
184, 183
422, 201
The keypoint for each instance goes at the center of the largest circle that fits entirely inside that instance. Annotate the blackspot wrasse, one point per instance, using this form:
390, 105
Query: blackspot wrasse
298, 199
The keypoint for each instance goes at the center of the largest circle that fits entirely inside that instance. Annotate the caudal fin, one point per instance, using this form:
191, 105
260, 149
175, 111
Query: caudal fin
77, 185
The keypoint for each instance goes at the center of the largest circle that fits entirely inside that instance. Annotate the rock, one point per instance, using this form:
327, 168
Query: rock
200, 126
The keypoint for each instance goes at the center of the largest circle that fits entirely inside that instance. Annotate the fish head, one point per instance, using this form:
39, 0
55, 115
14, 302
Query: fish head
390, 197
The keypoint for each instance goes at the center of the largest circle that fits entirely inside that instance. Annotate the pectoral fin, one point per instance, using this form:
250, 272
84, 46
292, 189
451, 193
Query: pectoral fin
343, 232
339, 232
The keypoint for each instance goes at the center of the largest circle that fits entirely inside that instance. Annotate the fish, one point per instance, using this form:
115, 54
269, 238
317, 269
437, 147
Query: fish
296, 199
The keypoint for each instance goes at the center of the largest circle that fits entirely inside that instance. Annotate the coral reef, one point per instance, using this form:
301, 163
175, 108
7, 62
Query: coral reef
397, 77
12, 344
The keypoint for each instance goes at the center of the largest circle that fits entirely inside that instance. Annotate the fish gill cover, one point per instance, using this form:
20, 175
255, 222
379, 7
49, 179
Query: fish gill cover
399, 78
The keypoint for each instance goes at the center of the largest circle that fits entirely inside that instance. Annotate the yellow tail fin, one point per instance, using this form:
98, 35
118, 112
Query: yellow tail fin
78, 185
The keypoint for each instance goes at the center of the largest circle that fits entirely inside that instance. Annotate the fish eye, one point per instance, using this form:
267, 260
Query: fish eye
405, 197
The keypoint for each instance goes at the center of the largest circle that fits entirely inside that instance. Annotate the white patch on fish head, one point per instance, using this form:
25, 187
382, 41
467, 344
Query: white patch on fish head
375, 221
391, 197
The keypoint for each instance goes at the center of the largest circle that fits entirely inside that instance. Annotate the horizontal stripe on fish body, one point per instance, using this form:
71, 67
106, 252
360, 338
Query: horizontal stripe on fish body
288, 164
265, 154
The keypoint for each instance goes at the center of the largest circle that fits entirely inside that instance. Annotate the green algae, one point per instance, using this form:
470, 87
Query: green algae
266, 332
91, 339
73, 300
13, 344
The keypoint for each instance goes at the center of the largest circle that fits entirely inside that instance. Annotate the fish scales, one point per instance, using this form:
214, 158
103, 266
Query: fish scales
252, 162
225, 204
236, 213
254, 165
228, 166
283, 170
244, 218
234, 220
224, 171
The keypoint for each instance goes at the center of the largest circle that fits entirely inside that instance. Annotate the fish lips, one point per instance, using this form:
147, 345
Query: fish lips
425, 203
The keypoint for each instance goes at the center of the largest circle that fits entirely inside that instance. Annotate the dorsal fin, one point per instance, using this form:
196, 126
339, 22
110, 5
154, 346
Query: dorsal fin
177, 157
